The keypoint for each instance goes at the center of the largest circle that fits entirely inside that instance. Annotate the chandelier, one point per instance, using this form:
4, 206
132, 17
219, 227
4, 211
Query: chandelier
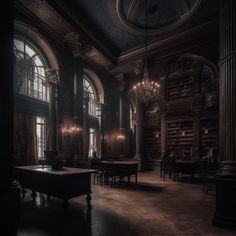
147, 90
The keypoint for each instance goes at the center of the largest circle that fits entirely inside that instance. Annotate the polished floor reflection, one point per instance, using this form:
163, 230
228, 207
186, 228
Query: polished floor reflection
153, 207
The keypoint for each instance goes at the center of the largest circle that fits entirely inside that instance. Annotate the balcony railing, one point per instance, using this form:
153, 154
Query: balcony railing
31, 85
93, 108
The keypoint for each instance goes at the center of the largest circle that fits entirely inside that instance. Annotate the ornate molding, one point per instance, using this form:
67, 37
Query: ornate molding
126, 20
65, 31
76, 45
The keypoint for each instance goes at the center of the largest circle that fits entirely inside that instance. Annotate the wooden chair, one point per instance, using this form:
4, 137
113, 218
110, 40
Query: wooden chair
209, 174
168, 167
99, 175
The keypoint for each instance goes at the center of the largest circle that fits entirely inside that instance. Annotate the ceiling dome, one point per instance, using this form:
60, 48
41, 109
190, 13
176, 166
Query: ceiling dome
161, 15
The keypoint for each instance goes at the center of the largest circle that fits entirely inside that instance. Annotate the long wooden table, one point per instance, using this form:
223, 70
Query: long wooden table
124, 168
64, 184
189, 167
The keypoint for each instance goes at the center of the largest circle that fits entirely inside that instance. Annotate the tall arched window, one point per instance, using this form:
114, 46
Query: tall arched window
93, 112
29, 80
90, 92
29, 70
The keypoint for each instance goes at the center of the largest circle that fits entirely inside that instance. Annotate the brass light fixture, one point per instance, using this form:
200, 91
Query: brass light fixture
147, 90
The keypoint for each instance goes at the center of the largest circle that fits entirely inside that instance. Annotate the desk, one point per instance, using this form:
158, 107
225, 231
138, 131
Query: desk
185, 167
64, 184
124, 168
182, 166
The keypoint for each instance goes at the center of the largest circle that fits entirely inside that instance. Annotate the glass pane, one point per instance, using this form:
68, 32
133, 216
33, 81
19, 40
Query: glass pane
41, 71
29, 51
19, 45
28, 77
40, 129
37, 61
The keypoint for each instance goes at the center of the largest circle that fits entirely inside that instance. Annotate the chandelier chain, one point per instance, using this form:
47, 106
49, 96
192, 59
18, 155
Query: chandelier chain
147, 90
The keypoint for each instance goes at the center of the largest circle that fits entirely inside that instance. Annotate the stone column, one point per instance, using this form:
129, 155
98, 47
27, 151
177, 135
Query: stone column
163, 134
51, 79
78, 109
139, 130
102, 129
196, 136
225, 212
85, 128
122, 135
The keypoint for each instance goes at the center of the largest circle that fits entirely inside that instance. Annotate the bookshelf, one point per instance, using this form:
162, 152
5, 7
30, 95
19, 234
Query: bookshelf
209, 134
152, 144
179, 87
180, 138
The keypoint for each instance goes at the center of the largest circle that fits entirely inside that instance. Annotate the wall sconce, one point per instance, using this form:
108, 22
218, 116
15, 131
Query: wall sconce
75, 129
71, 130
183, 133
120, 137
156, 134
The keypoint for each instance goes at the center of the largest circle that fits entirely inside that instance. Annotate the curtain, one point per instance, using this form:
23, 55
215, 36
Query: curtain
25, 139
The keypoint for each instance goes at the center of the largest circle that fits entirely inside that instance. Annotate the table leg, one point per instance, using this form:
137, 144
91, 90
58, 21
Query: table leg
33, 195
23, 191
88, 199
161, 170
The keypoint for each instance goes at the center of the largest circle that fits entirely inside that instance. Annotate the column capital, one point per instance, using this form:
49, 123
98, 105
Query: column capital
121, 79
78, 46
162, 115
51, 76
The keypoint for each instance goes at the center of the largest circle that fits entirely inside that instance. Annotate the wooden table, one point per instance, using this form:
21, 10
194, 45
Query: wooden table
185, 167
64, 184
124, 168
182, 166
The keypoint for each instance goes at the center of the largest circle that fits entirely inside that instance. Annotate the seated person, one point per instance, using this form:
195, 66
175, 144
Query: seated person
211, 155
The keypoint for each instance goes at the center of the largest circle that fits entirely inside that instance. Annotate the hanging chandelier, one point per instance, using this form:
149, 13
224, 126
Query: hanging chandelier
147, 90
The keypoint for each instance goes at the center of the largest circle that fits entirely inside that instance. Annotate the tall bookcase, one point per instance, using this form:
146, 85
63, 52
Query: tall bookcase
209, 134
180, 138
152, 143
179, 87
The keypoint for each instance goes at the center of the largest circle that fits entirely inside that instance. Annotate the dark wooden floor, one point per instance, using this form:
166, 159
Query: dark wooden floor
151, 208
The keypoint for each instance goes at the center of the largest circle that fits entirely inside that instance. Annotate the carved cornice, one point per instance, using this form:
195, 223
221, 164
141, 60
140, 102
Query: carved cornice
76, 45
63, 30
73, 19
121, 79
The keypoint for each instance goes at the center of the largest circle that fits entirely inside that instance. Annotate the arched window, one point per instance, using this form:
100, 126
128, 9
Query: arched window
29, 70
90, 92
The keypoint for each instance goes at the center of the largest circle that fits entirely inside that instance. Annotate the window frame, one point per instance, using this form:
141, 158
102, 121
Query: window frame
32, 84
